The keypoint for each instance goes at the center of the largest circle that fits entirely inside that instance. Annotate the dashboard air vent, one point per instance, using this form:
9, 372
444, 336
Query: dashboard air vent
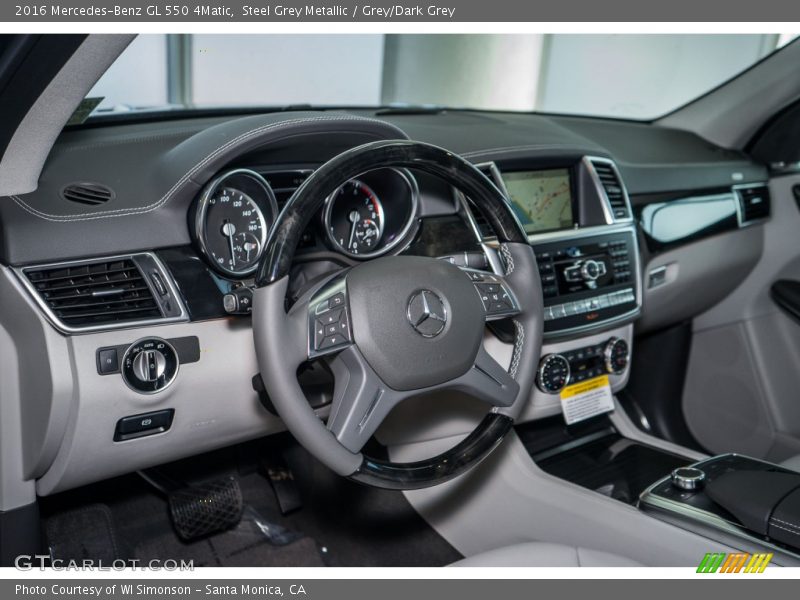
754, 202
484, 228
91, 194
284, 184
95, 293
613, 187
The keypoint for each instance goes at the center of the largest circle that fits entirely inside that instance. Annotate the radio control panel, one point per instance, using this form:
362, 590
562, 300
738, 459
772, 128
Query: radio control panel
588, 281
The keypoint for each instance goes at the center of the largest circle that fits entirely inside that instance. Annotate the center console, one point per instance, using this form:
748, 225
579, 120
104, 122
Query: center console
732, 498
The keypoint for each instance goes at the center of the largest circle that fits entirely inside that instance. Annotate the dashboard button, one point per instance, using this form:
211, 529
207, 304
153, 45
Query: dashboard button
143, 424
107, 361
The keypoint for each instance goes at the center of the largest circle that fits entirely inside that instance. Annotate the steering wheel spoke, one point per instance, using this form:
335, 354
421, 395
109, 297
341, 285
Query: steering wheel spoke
361, 400
487, 380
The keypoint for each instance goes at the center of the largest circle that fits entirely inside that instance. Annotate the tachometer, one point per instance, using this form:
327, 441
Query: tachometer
354, 219
233, 218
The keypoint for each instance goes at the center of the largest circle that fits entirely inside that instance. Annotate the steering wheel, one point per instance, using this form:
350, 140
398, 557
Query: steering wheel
397, 327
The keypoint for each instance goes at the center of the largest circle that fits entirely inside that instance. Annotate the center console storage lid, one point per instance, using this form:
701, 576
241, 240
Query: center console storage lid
784, 524
752, 496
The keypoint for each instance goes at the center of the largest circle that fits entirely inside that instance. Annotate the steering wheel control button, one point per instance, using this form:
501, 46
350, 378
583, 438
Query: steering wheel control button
329, 322
497, 300
336, 300
150, 365
331, 316
689, 479
553, 374
427, 313
616, 356
107, 361
137, 426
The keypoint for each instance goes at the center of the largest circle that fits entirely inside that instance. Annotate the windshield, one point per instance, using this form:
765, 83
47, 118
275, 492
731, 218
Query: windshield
623, 76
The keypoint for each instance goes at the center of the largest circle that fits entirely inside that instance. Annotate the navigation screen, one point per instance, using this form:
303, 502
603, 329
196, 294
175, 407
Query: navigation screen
541, 199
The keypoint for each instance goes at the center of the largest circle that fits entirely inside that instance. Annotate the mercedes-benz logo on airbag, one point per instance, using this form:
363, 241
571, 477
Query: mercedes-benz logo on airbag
427, 313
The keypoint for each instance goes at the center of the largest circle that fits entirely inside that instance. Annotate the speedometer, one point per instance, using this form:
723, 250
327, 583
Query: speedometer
233, 219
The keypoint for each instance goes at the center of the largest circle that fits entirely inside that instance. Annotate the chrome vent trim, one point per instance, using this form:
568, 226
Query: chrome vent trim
76, 295
609, 184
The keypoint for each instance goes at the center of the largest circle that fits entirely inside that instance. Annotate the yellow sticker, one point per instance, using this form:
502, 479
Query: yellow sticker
584, 386
586, 399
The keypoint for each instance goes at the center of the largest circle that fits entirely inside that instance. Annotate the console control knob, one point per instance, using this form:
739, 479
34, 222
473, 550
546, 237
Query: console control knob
149, 365
688, 478
590, 270
616, 356
553, 374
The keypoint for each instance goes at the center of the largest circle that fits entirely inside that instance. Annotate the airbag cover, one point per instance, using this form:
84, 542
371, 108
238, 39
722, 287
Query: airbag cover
386, 302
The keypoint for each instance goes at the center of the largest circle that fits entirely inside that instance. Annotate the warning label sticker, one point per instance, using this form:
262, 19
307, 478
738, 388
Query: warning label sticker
581, 401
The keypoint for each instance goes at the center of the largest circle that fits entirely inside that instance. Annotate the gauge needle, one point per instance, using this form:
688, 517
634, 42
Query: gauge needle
353, 217
228, 229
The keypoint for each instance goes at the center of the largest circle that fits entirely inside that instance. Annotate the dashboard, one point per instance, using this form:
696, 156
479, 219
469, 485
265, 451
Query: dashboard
142, 241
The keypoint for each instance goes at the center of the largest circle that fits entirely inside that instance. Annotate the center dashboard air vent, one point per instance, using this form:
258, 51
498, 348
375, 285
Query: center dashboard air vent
612, 185
89, 194
284, 184
105, 293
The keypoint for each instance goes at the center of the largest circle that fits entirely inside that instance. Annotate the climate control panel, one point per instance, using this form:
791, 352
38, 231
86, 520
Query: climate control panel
556, 371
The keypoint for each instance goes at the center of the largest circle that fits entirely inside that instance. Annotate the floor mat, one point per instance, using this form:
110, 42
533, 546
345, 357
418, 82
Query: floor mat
248, 544
341, 523
80, 533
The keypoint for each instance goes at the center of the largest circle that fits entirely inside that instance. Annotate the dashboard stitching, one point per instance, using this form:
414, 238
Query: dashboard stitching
518, 343
168, 196
513, 149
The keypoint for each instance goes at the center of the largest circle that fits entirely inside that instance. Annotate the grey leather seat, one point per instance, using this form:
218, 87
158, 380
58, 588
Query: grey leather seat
539, 554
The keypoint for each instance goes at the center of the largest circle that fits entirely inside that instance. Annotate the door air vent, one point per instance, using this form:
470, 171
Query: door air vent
107, 293
90, 194
609, 179
754, 203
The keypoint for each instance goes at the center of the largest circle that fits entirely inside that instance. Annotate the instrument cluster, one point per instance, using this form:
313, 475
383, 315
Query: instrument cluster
366, 217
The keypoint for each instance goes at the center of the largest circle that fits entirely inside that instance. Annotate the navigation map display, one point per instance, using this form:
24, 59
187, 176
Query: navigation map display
542, 200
